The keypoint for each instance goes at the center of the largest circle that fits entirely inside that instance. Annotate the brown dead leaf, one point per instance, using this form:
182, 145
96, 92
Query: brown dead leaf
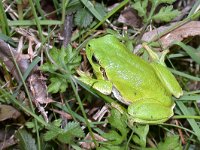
7, 137
48, 8
37, 85
36, 82
100, 114
189, 29
7, 143
62, 113
8, 112
129, 17
91, 145
38, 89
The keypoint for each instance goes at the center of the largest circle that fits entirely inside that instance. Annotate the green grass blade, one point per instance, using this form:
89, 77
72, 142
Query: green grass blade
190, 97
114, 10
193, 53
192, 122
184, 75
32, 22
91, 8
28, 70
3, 20
194, 8
36, 20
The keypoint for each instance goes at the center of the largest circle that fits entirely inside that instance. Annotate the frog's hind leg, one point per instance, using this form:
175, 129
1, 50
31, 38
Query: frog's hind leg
167, 79
149, 111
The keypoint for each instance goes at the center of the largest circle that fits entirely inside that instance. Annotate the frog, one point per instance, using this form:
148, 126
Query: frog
145, 87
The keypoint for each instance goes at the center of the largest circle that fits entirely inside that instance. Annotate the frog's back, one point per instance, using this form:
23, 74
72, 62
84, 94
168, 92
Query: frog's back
114, 51
119, 60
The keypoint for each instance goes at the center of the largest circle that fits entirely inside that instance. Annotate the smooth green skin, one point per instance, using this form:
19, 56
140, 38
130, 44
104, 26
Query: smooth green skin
146, 87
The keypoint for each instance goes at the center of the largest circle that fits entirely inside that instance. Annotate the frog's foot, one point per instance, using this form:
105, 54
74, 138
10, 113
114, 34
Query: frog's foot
150, 112
154, 56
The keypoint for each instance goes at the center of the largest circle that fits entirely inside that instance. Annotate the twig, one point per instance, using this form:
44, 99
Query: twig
68, 26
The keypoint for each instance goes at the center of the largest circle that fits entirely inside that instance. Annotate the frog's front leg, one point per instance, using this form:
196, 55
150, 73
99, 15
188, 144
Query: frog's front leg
150, 111
100, 85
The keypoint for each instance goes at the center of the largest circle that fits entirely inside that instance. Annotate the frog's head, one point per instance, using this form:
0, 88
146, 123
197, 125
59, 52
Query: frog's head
100, 48
92, 53
100, 53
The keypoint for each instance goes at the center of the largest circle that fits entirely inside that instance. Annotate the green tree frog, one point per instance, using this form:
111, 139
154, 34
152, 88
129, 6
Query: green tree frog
146, 87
